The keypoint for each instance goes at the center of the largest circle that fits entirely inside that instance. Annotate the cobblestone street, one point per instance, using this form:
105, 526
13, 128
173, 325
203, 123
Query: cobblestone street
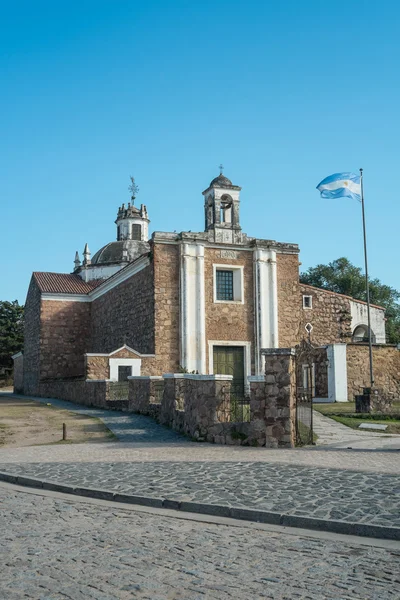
59, 549
351, 496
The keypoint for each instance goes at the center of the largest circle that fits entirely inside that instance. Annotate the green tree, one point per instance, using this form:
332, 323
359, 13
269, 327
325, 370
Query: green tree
11, 331
344, 278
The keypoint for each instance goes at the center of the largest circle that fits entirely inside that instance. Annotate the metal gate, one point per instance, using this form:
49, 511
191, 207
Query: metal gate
305, 386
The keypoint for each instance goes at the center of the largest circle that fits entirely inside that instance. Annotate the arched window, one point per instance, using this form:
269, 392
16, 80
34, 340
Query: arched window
360, 334
136, 232
226, 209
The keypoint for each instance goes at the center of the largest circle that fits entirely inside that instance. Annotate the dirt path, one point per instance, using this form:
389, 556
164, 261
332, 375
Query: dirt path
30, 423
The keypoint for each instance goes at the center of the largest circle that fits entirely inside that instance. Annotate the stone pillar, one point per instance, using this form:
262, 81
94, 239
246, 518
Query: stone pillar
337, 372
280, 397
173, 402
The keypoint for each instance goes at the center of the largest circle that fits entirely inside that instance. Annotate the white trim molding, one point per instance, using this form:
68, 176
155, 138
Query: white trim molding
15, 356
124, 347
135, 363
192, 308
266, 304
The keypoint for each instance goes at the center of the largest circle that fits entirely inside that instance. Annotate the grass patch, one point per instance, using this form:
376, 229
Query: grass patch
342, 408
393, 425
344, 412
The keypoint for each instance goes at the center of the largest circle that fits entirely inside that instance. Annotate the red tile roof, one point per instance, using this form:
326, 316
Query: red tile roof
64, 283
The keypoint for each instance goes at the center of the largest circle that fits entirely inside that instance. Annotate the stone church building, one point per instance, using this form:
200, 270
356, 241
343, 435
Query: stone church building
206, 302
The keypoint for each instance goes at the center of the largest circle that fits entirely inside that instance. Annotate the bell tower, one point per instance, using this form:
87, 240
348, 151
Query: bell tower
132, 223
221, 210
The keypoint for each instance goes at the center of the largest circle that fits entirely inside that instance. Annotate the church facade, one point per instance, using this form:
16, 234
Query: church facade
204, 302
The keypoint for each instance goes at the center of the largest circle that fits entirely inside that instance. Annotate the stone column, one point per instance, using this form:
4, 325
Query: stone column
280, 397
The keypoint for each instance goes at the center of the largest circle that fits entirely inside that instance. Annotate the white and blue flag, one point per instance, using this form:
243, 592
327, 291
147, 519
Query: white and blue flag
340, 185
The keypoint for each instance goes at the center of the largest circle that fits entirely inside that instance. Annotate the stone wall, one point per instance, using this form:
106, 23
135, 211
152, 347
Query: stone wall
229, 321
19, 374
32, 339
200, 405
125, 315
97, 367
166, 296
64, 339
94, 393
330, 316
287, 266
386, 361
145, 396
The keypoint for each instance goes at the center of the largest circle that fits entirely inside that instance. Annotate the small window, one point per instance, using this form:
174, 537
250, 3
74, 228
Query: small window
124, 372
136, 232
307, 301
118, 233
225, 285
228, 283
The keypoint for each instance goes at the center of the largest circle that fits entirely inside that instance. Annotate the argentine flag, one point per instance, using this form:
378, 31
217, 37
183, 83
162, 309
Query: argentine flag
340, 185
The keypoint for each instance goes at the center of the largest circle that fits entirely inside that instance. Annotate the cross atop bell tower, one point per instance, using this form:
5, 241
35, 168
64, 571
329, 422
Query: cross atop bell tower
221, 209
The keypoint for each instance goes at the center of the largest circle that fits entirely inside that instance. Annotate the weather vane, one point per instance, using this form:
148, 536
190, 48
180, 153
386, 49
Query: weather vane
133, 188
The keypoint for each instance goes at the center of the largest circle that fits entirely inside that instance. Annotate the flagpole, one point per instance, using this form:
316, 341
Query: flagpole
371, 369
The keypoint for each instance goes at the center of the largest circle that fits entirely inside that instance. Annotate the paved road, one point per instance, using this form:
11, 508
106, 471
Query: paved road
53, 548
357, 487
351, 496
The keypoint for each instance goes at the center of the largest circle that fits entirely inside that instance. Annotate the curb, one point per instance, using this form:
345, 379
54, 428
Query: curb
244, 514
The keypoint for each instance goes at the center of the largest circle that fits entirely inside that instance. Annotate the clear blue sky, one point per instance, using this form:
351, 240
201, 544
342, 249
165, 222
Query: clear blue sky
282, 93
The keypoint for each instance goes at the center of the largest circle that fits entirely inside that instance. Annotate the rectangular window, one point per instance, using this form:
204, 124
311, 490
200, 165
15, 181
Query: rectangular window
124, 372
307, 301
225, 285
136, 232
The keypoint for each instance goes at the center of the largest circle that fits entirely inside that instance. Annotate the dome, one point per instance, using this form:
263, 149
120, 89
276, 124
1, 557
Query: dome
118, 252
221, 181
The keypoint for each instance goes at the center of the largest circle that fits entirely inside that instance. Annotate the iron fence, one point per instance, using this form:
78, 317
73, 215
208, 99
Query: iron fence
304, 417
236, 407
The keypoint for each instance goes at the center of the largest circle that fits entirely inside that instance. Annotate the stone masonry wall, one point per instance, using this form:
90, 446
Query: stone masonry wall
64, 339
125, 315
97, 367
19, 374
386, 360
143, 396
229, 321
288, 299
166, 296
32, 339
80, 392
330, 316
